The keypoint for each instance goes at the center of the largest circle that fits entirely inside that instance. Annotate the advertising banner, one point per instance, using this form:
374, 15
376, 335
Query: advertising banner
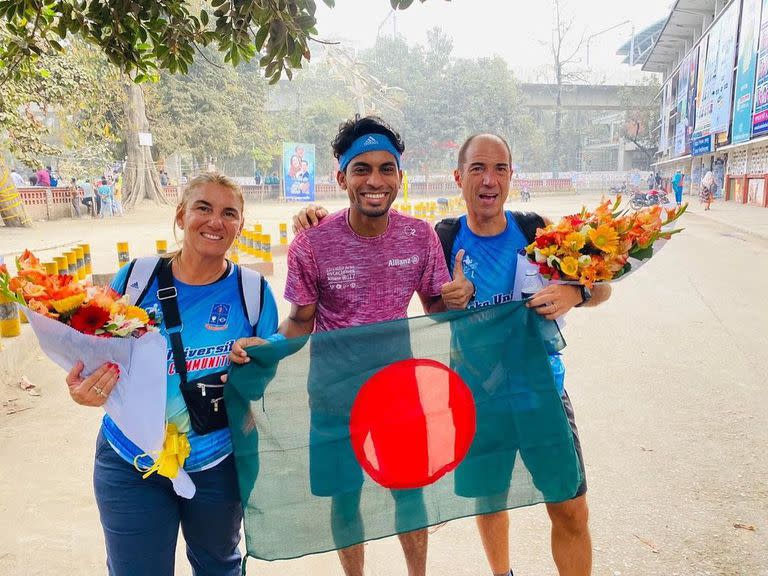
722, 88
693, 61
682, 109
760, 113
665, 104
745, 71
299, 171
703, 100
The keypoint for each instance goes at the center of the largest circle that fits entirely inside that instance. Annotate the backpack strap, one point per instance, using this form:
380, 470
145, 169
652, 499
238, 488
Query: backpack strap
252, 286
528, 222
141, 274
447, 229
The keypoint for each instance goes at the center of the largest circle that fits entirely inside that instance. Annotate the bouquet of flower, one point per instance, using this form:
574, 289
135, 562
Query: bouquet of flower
88, 309
77, 322
602, 245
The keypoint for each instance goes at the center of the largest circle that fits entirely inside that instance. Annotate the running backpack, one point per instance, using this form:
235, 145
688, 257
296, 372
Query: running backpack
448, 228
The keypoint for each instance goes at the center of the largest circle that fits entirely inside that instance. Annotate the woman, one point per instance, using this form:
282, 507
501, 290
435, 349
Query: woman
141, 518
707, 189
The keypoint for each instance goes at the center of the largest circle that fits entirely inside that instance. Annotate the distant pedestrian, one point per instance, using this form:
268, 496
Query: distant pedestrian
74, 198
117, 196
677, 186
43, 177
18, 179
104, 193
708, 186
88, 197
651, 181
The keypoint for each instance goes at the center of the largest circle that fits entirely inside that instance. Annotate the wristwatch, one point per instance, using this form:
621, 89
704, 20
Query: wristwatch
586, 295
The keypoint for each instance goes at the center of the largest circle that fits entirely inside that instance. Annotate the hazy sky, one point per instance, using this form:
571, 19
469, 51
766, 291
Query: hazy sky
503, 27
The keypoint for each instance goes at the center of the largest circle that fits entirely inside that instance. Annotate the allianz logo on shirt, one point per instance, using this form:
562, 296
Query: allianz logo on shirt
404, 262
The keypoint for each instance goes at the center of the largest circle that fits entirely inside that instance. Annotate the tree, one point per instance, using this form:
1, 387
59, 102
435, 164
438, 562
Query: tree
142, 37
564, 57
641, 116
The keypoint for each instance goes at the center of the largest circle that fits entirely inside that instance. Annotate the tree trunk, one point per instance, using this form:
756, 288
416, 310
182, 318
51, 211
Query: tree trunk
141, 179
558, 126
11, 205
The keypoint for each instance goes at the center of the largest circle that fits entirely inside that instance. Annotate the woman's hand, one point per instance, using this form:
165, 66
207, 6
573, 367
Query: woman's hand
94, 389
238, 355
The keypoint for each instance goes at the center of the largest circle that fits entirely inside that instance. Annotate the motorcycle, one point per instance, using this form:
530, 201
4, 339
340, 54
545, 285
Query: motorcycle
618, 188
652, 198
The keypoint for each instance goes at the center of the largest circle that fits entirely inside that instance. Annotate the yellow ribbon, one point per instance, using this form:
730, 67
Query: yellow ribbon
175, 451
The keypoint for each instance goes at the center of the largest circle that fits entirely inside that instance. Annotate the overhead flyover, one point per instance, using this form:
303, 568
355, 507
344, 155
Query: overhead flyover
579, 96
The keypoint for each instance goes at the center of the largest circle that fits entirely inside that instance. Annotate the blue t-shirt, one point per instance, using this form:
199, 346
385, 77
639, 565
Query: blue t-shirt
490, 263
213, 317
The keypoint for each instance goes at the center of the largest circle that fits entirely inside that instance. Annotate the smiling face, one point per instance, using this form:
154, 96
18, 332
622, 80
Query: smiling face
371, 181
211, 217
484, 178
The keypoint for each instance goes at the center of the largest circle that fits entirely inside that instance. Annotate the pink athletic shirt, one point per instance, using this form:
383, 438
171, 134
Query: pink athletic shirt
359, 280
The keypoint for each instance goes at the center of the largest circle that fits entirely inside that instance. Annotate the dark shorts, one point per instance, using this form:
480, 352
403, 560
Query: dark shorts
488, 467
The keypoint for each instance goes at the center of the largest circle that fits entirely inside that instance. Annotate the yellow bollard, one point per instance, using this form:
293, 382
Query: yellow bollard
51, 268
161, 247
257, 231
233, 254
123, 256
10, 323
62, 264
80, 263
87, 258
71, 263
248, 242
258, 239
266, 244
283, 234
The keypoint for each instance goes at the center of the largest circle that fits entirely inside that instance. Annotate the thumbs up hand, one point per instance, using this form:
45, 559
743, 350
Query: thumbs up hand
458, 292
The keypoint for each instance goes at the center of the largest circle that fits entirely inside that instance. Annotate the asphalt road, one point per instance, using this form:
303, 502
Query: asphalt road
668, 380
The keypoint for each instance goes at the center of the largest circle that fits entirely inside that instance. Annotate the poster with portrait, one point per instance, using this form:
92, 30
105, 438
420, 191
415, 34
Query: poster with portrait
760, 112
299, 171
722, 88
745, 70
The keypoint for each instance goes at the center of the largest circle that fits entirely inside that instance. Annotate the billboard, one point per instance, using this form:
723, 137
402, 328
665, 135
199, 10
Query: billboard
299, 171
745, 71
682, 108
722, 87
707, 77
760, 112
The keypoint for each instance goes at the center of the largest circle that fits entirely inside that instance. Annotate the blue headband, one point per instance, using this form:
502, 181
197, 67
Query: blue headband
368, 143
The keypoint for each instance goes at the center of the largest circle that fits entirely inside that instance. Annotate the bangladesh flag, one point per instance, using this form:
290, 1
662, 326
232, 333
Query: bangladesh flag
361, 433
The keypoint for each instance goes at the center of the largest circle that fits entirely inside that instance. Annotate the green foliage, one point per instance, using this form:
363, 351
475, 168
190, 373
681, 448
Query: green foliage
143, 37
63, 107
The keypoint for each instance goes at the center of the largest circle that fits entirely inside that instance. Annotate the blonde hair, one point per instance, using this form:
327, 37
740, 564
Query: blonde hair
198, 182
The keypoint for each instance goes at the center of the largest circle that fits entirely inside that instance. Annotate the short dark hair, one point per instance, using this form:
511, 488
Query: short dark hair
352, 129
468, 141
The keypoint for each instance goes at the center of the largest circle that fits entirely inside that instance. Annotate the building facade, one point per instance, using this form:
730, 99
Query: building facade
713, 55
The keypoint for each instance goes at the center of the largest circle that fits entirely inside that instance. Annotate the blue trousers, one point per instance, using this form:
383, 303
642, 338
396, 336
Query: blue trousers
141, 518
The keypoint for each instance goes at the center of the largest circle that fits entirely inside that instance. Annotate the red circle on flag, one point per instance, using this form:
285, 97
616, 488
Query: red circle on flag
412, 422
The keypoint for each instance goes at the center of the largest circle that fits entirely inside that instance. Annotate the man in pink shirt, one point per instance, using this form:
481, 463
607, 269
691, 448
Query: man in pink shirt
362, 265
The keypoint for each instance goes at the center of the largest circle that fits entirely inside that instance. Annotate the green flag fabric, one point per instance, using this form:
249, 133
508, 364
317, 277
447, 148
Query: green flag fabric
356, 434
